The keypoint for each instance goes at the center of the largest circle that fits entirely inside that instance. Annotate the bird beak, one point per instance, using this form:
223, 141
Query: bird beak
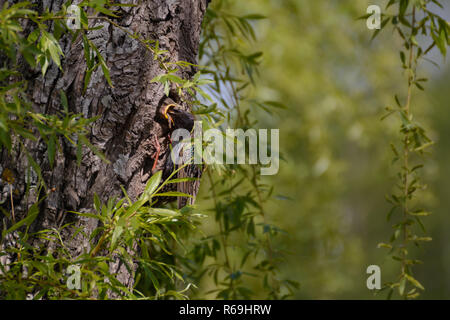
167, 110
166, 113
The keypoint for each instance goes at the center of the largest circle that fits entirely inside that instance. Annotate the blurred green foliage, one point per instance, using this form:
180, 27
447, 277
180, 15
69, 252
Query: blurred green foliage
319, 61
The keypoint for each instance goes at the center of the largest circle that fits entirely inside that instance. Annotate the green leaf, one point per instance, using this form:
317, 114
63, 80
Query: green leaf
414, 282
401, 287
403, 7
175, 78
106, 73
115, 236
364, 17
172, 194
177, 180
164, 212
64, 101
425, 239
5, 139
442, 42
152, 184
51, 149
102, 62
166, 88
420, 213
97, 203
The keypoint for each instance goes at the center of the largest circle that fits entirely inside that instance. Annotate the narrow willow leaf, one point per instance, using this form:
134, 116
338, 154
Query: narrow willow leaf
173, 194
420, 213
152, 184
164, 212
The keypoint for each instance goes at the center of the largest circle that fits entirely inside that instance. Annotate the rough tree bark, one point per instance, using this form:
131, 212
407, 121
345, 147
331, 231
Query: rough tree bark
126, 126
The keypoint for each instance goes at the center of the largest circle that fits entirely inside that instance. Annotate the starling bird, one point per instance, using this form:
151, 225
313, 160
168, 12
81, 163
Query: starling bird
177, 118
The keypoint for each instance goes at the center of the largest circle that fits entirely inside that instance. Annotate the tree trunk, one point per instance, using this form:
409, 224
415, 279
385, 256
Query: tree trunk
126, 128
